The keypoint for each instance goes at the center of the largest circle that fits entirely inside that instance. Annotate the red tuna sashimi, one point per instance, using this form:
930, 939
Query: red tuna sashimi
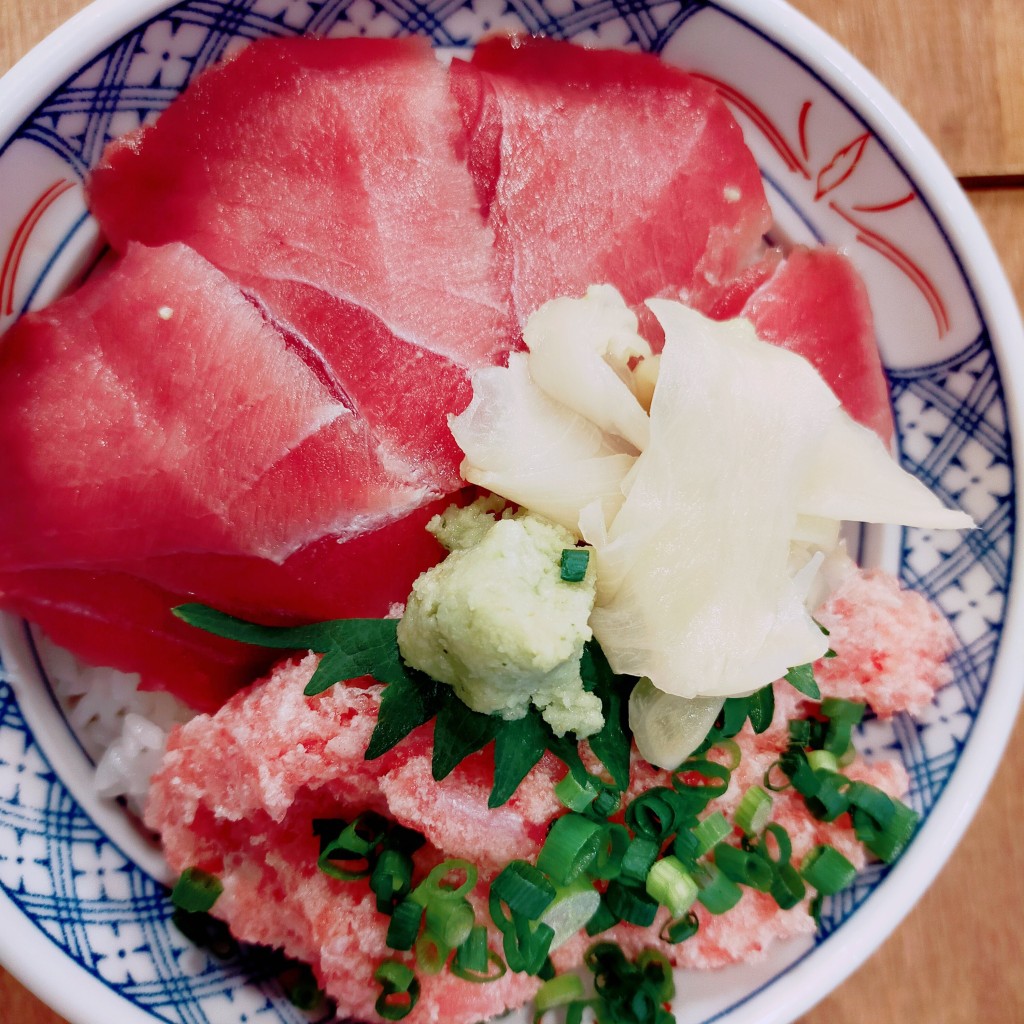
123, 618
816, 305
322, 175
604, 166
119, 621
154, 412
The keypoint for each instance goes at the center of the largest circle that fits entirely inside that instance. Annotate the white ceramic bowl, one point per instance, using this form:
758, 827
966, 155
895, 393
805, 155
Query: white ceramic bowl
84, 918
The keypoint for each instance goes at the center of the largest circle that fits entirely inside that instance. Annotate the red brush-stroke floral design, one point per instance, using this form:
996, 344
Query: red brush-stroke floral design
841, 166
836, 172
19, 243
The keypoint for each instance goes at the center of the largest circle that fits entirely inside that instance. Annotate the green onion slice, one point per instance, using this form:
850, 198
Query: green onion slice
443, 882
640, 855
681, 929
196, 891
744, 866
631, 905
559, 991
404, 925
574, 564
827, 870
717, 893
672, 886
401, 990
610, 851
431, 952
450, 921
754, 810
571, 845
575, 795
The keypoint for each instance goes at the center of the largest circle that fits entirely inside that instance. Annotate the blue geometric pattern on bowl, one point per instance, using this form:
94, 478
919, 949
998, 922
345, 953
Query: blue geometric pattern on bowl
109, 915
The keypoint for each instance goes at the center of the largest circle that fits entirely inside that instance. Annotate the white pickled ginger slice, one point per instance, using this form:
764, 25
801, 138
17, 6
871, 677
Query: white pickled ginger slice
532, 450
580, 351
704, 602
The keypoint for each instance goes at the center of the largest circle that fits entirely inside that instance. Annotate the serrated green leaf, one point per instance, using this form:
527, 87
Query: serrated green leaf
318, 636
761, 708
518, 746
458, 732
405, 705
613, 742
801, 678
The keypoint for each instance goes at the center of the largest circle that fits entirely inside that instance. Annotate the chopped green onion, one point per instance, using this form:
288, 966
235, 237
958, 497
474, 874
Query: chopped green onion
442, 882
656, 813
707, 778
562, 989
524, 889
401, 990
827, 870
717, 893
571, 845
575, 795
641, 853
782, 842
823, 760
574, 564
711, 831
606, 803
610, 851
474, 961
671, 885
754, 810
839, 710
630, 905
431, 952
355, 845
602, 920
731, 749
450, 921
656, 971
196, 891
788, 889
744, 866
404, 925
300, 986
681, 929
573, 906
391, 879
882, 824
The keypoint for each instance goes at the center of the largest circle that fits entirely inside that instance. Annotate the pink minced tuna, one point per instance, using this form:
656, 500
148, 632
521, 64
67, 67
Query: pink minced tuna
238, 791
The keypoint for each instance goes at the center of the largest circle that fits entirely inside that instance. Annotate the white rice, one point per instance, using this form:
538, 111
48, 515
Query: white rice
123, 729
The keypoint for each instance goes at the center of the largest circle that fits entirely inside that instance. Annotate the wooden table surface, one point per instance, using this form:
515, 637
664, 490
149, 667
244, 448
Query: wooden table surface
959, 957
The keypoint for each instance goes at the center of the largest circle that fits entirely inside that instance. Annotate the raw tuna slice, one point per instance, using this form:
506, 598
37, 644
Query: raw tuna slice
154, 412
603, 166
816, 304
322, 175
120, 621
123, 618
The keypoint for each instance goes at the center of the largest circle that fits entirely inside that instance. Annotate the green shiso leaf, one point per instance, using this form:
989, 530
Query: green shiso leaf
518, 746
405, 705
458, 732
357, 647
802, 678
612, 743
761, 708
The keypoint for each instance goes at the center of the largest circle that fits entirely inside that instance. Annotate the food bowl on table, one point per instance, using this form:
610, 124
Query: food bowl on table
86, 920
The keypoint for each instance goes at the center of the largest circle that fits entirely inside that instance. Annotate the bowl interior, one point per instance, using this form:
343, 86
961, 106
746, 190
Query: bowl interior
73, 870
